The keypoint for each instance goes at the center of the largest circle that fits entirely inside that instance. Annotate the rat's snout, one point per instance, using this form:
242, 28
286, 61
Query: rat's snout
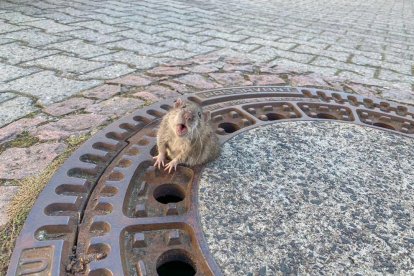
188, 116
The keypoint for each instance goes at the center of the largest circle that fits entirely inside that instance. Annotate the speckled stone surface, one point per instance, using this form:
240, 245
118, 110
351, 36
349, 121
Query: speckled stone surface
313, 198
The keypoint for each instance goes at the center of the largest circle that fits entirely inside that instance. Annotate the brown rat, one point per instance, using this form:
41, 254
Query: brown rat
186, 137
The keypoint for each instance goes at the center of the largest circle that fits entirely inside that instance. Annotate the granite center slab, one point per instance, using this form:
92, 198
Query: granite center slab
311, 198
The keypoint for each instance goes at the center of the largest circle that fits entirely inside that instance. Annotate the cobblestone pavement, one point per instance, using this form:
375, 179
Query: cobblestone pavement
55, 57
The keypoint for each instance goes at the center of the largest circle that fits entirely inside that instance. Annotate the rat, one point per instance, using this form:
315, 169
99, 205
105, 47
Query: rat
186, 137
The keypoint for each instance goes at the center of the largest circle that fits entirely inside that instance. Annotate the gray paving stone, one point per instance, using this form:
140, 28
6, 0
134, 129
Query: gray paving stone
141, 36
275, 44
18, 17
65, 64
32, 38
178, 54
6, 196
50, 26
138, 61
140, 48
15, 108
80, 48
231, 45
362, 70
226, 36
272, 53
92, 36
5, 96
191, 47
98, 26
6, 27
15, 53
107, 72
10, 72
184, 36
49, 88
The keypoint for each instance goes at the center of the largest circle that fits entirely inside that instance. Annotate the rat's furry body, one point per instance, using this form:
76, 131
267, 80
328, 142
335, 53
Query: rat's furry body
186, 137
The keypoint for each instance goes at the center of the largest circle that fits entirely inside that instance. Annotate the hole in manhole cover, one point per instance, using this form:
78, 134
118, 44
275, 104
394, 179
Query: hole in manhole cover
108, 211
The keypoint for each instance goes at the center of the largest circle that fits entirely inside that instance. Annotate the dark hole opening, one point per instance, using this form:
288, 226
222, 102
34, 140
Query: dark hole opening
274, 116
384, 126
229, 127
176, 268
326, 116
169, 193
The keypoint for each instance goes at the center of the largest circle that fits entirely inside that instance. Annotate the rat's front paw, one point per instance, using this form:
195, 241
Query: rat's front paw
159, 161
171, 165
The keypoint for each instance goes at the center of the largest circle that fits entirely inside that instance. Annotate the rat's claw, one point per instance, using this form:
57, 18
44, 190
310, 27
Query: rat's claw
170, 166
159, 161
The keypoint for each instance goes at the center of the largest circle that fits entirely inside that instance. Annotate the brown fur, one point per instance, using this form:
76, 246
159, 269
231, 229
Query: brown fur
198, 146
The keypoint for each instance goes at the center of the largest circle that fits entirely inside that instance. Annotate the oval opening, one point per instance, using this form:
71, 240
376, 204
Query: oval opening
169, 193
383, 126
229, 127
175, 262
274, 116
326, 116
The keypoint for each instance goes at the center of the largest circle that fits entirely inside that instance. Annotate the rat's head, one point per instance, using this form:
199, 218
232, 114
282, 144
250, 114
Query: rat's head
188, 118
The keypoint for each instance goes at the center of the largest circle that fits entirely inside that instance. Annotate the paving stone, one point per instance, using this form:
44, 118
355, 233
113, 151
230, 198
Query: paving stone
80, 48
50, 26
132, 59
166, 71
156, 92
32, 37
10, 131
14, 109
102, 92
232, 45
184, 36
17, 17
92, 36
403, 96
230, 79
272, 53
141, 36
226, 36
9, 72
15, 53
65, 64
131, 80
190, 47
5, 96
178, 54
361, 90
67, 106
18, 163
197, 81
98, 26
67, 126
203, 68
140, 48
264, 42
265, 80
108, 72
238, 67
6, 196
307, 81
115, 106
5, 28
48, 88
177, 87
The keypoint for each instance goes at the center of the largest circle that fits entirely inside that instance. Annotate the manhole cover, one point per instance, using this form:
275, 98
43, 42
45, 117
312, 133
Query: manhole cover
320, 187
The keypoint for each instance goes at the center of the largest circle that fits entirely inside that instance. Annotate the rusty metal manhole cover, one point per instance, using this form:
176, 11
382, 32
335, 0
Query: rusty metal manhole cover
107, 211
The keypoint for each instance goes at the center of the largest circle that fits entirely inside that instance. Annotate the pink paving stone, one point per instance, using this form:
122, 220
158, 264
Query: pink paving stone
197, 81
156, 92
177, 87
68, 106
307, 81
18, 163
235, 60
103, 92
265, 80
230, 78
6, 195
178, 63
131, 80
12, 130
237, 67
167, 71
70, 125
203, 68
115, 107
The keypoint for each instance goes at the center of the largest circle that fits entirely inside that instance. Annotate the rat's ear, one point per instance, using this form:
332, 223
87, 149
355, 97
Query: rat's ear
178, 103
207, 115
